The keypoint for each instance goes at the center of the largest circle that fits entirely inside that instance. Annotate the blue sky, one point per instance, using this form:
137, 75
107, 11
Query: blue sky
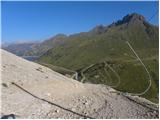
33, 21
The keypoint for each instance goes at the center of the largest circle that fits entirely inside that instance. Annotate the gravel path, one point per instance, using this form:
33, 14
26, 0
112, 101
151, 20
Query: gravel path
30, 90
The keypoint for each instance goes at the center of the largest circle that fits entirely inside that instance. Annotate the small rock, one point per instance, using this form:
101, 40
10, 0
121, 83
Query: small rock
148, 114
57, 111
154, 112
4, 85
85, 113
85, 102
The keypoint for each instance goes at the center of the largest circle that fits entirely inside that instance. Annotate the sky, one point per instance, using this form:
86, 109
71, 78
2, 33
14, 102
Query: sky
37, 21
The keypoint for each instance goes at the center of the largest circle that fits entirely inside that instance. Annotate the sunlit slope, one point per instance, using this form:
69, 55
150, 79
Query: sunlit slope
105, 43
108, 43
30, 90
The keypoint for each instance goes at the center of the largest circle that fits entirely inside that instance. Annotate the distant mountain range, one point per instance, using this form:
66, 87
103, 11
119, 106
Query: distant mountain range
124, 29
19, 49
34, 48
106, 44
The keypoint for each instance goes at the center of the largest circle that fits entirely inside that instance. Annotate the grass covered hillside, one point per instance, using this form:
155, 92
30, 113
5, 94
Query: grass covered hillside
108, 44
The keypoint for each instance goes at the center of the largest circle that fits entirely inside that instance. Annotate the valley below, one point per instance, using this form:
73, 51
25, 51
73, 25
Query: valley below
110, 71
30, 58
30, 90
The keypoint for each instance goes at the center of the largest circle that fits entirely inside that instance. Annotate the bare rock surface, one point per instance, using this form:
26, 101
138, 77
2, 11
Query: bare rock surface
30, 90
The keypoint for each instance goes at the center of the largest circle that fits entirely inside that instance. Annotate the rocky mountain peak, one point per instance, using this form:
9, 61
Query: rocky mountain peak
131, 18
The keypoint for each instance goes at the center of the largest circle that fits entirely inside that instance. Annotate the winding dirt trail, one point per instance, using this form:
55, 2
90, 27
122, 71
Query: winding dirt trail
149, 76
30, 90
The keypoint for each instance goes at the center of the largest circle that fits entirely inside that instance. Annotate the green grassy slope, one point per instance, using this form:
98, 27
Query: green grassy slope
133, 77
108, 44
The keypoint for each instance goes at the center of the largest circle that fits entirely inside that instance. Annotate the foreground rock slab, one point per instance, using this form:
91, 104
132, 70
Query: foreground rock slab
30, 90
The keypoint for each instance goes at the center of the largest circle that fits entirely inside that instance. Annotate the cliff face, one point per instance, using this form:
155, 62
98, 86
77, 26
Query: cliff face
30, 90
